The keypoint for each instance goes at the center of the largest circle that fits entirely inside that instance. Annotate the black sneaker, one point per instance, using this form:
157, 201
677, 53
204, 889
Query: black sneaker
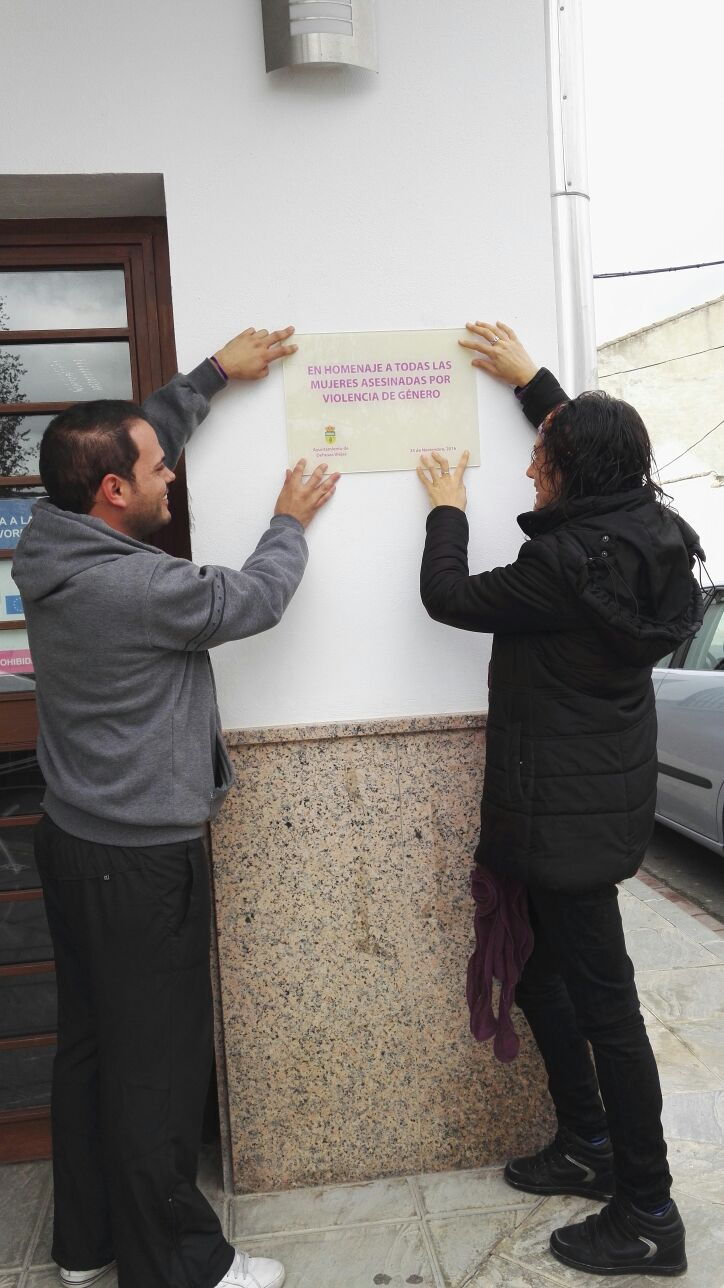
621, 1239
568, 1165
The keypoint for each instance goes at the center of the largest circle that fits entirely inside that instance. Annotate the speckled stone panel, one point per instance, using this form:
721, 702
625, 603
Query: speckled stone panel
341, 869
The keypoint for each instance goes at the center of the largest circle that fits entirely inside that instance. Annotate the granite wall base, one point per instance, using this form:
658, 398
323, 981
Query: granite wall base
341, 872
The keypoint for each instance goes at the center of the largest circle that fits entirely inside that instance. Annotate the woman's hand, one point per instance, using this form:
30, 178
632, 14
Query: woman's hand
444, 488
500, 353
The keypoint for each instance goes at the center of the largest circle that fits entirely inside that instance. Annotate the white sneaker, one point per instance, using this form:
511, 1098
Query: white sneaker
74, 1278
253, 1272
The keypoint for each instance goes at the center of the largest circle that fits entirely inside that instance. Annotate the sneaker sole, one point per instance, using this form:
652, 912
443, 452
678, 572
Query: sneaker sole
581, 1191
70, 1283
639, 1269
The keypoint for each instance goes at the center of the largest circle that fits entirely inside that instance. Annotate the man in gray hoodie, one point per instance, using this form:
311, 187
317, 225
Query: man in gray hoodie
131, 748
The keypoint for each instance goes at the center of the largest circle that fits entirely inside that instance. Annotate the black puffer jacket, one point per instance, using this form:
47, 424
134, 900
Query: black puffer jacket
594, 599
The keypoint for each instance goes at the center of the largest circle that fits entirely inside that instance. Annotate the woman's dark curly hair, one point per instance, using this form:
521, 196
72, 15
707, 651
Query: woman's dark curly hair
596, 445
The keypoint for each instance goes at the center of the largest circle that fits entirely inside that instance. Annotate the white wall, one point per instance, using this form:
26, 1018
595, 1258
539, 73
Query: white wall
338, 200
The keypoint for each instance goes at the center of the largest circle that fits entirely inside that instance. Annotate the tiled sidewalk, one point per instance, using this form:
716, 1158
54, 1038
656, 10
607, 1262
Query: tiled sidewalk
468, 1229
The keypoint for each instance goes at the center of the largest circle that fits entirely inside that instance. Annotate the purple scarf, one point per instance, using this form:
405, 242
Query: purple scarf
503, 944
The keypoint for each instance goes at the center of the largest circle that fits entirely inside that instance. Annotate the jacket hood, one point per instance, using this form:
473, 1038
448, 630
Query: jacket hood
57, 545
629, 559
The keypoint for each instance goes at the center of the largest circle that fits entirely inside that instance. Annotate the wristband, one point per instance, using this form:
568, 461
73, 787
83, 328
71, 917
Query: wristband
218, 366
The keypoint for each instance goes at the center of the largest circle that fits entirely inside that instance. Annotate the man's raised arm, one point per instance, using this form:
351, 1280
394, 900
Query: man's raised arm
175, 410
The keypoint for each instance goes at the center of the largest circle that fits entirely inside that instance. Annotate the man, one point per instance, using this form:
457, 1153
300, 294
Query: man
600, 591
135, 765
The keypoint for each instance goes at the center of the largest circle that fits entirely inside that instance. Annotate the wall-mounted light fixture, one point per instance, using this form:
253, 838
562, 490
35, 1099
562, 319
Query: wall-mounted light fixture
302, 32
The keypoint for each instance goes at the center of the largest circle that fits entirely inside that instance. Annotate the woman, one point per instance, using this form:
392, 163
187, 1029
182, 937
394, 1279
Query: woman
600, 591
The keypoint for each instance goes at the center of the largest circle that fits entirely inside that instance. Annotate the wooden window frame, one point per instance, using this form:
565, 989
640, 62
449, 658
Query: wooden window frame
139, 247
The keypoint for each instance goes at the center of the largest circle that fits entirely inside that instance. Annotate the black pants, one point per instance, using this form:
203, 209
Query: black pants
131, 929
578, 987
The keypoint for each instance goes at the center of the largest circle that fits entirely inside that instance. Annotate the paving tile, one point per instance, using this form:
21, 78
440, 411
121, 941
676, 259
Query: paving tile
704, 1244
636, 912
635, 887
698, 1171
23, 1187
695, 1116
683, 995
706, 920
528, 1244
501, 1272
715, 946
664, 947
689, 926
480, 1190
319, 1208
706, 1041
41, 1252
680, 1068
9, 1280
360, 1257
463, 1244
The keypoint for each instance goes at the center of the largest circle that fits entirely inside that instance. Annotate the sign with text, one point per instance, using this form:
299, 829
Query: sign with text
15, 656
14, 517
377, 400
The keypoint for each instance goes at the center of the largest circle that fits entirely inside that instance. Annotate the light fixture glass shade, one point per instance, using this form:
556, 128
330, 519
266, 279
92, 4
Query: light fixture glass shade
338, 32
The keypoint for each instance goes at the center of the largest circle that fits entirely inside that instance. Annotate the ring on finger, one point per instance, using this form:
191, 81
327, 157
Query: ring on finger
494, 339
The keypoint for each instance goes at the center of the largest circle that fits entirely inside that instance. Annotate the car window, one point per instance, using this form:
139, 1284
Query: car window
707, 649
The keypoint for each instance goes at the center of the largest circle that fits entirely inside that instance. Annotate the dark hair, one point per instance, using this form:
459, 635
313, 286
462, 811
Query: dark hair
596, 445
83, 444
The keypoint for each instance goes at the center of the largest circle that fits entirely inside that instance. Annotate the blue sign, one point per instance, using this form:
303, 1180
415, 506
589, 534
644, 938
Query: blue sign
14, 518
13, 605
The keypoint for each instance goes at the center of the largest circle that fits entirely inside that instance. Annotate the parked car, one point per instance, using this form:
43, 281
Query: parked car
689, 687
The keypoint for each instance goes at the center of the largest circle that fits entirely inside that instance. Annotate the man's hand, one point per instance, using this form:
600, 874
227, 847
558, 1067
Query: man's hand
247, 356
500, 353
303, 500
444, 488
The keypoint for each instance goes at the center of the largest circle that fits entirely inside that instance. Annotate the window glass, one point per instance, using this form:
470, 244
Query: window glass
15, 656
24, 933
11, 606
28, 1004
707, 649
74, 372
17, 859
21, 784
20, 444
25, 1076
62, 299
15, 511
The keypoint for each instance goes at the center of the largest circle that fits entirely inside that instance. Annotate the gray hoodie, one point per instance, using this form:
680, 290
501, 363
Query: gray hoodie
130, 740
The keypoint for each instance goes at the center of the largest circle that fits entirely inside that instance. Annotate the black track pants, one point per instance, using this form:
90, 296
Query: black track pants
130, 929
577, 988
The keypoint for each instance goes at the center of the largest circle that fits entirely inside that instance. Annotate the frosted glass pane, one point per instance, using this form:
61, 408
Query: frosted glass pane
74, 372
61, 299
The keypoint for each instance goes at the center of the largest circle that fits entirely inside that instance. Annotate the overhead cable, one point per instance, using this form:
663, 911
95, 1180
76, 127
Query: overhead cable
686, 450
678, 357
645, 272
